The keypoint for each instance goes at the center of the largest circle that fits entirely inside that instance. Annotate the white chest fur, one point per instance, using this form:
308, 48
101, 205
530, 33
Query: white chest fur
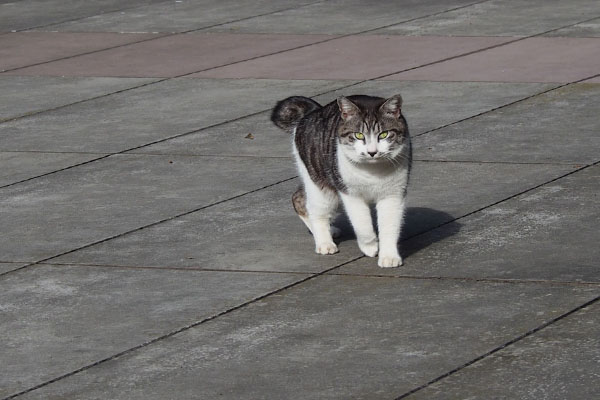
372, 181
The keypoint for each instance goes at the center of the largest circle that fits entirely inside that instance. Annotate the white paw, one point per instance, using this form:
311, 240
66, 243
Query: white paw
389, 261
335, 232
370, 249
326, 248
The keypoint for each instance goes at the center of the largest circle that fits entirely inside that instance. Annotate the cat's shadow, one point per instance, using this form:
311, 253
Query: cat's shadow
417, 221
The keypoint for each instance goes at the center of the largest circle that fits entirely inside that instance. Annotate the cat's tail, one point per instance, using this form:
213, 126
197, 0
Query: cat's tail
288, 112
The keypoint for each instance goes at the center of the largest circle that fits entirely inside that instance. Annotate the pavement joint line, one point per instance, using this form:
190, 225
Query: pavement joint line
56, 171
189, 30
310, 277
507, 198
149, 225
475, 280
181, 329
543, 92
80, 18
159, 80
264, 111
159, 35
359, 275
44, 261
501, 347
565, 163
195, 269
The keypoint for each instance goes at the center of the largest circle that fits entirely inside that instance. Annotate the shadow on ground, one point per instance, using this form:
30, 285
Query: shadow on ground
417, 222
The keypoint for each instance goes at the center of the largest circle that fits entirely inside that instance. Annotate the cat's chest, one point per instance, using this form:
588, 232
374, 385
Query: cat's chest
372, 182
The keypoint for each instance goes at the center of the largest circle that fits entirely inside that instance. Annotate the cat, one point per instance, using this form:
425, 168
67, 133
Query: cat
356, 149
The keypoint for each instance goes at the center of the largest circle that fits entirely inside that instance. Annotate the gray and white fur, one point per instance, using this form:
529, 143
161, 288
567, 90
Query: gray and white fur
356, 149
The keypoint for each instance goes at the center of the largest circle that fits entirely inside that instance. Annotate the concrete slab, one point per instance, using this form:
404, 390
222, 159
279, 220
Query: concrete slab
338, 59
140, 116
549, 234
268, 235
556, 60
500, 18
62, 318
30, 94
17, 166
27, 14
540, 129
427, 105
560, 361
169, 16
171, 55
332, 337
584, 29
63, 211
351, 16
19, 50
9, 266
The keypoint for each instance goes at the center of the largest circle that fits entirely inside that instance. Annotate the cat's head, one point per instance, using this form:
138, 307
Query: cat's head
372, 129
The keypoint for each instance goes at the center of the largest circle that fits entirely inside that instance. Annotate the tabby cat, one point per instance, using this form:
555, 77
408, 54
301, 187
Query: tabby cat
356, 149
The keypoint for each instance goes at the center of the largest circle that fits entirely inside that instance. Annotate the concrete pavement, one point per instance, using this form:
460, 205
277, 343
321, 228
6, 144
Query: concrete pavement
149, 249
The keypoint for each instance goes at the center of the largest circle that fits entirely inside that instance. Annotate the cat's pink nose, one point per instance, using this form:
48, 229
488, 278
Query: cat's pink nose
372, 154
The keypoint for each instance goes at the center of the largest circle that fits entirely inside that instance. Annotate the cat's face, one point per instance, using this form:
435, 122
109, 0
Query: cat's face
372, 131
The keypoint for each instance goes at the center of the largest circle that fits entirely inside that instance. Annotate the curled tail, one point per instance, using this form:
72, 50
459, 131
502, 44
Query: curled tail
288, 112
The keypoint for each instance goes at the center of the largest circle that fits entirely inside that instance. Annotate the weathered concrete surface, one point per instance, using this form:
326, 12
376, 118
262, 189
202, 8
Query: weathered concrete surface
560, 126
18, 50
547, 234
351, 16
140, 116
427, 105
560, 361
6, 267
108, 310
28, 14
19, 166
354, 57
557, 60
169, 56
265, 220
62, 211
500, 18
500, 245
169, 16
371, 338
584, 29
29, 94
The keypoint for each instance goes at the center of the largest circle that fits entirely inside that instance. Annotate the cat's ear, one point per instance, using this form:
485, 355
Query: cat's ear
347, 108
392, 106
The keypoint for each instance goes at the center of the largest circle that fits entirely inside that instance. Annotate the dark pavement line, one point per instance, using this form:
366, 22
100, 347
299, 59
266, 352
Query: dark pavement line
147, 226
515, 281
279, 290
167, 268
177, 331
501, 347
82, 17
159, 35
159, 80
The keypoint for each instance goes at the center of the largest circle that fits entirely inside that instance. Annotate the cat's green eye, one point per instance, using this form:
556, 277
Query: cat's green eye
359, 135
383, 135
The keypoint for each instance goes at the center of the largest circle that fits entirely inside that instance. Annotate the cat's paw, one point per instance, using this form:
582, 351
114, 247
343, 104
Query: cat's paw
335, 232
389, 261
326, 248
369, 248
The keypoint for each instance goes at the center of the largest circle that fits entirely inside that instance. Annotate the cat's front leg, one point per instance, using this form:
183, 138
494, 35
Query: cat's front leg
390, 214
359, 214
